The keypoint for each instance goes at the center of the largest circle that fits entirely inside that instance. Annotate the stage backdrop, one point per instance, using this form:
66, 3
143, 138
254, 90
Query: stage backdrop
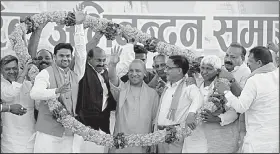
205, 27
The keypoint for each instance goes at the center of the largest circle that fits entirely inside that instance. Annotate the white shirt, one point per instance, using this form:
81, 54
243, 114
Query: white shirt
104, 87
40, 89
260, 101
240, 73
17, 130
190, 101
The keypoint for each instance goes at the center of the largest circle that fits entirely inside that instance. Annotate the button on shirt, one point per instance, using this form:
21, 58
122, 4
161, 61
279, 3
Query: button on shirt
190, 101
104, 87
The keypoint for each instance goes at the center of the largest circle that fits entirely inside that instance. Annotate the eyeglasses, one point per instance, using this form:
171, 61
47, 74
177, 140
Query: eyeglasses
161, 65
169, 68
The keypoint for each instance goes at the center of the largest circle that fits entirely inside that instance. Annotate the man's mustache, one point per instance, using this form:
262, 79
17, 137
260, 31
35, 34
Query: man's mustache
43, 62
99, 65
228, 62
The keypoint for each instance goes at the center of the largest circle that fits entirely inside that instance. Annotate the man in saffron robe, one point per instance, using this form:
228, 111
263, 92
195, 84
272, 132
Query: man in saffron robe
137, 103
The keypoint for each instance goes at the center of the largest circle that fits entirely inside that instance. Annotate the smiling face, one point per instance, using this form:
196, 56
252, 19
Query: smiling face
10, 71
44, 58
63, 58
208, 72
98, 59
136, 72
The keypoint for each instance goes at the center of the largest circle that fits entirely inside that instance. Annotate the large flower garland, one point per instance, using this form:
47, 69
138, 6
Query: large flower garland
110, 30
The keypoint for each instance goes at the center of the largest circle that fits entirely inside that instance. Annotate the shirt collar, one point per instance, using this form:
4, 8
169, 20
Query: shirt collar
174, 84
236, 68
95, 70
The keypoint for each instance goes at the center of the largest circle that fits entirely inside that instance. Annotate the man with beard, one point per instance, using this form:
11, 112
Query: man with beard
179, 102
137, 103
95, 101
259, 100
159, 80
60, 82
15, 88
140, 53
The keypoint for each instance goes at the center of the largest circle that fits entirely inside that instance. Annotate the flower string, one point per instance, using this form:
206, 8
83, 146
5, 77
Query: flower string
110, 30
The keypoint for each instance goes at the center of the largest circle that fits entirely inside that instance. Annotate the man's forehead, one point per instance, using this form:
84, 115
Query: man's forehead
160, 59
43, 53
170, 62
136, 65
234, 51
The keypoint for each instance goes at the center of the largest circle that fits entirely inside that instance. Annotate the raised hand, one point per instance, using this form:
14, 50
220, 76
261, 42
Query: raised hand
115, 55
27, 66
79, 14
272, 46
63, 89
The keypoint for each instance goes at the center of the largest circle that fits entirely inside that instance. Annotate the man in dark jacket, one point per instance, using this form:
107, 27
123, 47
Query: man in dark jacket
95, 101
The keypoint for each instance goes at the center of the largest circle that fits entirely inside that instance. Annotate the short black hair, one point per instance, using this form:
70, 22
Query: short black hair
238, 45
181, 62
7, 59
139, 49
44, 50
91, 51
262, 53
63, 46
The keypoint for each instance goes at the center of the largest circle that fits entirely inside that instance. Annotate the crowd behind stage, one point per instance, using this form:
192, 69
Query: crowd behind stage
243, 119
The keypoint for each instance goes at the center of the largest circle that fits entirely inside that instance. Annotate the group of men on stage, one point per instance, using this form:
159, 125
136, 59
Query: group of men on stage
143, 101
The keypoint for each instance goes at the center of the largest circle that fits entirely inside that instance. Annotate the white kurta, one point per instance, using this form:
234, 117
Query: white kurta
45, 143
17, 130
214, 137
260, 102
190, 101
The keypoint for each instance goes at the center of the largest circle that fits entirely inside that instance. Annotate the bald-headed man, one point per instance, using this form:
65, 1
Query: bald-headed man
137, 103
95, 101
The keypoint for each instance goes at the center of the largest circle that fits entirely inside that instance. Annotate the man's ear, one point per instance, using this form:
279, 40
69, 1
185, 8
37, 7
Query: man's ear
260, 63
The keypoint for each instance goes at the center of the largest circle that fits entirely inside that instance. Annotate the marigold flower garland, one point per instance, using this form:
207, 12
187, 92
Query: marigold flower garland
168, 135
110, 30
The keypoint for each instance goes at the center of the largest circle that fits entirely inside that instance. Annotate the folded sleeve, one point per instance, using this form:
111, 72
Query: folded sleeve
40, 89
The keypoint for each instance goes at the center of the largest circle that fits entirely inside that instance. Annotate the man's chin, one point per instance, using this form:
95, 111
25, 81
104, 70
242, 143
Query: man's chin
43, 66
